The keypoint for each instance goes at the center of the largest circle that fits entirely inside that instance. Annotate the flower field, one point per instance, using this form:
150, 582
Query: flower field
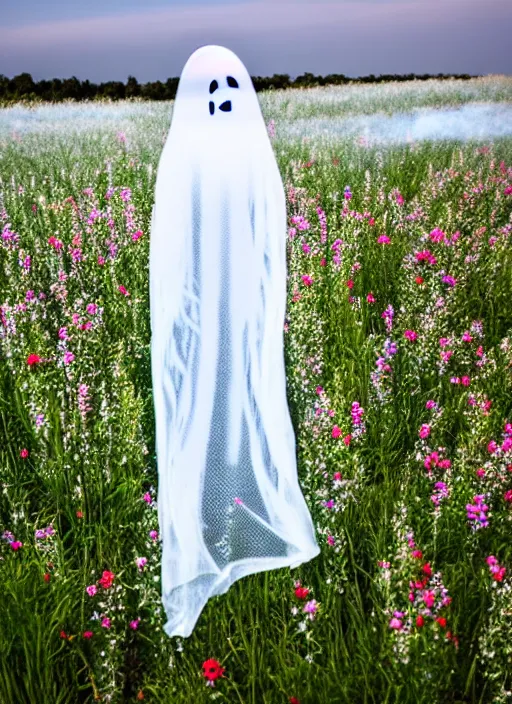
398, 345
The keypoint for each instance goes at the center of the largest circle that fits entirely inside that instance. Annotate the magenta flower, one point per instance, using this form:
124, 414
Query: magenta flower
411, 335
106, 623
91, 590
141, 562
311, 607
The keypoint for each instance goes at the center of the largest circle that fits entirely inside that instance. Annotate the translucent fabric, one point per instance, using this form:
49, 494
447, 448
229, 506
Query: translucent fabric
229, 501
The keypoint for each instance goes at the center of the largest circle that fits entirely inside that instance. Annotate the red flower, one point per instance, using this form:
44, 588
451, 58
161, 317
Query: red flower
427, 569
294, 700
33, 359
63, 634
106, 580
441, 621
79, 514
350, 283
24, 453
301, 592
47, 577
420, 621
88, 634
212, 670
419, 280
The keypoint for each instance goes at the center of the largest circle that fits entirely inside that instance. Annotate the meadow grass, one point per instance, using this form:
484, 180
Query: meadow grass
398, 345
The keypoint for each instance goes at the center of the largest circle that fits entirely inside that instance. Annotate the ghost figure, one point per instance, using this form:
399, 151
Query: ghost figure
229, 501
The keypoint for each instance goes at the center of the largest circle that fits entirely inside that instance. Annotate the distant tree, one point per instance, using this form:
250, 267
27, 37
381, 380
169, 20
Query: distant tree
132, 87
89, 90
115, 90
4, 86
153, 91
21, 85
71, 88
171, 88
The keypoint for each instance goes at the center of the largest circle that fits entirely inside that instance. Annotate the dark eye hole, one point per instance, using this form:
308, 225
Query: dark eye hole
213, 86
226, 106
212, 107
232, 82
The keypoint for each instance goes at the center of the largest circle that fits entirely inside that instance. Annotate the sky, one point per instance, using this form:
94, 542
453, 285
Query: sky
104, 40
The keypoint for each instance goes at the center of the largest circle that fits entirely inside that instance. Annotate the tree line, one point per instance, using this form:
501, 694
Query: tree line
23, 87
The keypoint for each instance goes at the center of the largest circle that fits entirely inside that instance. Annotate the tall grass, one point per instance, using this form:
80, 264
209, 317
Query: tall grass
404, 603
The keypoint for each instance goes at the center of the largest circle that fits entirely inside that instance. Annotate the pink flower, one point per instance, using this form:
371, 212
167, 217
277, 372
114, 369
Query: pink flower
319, 390
424, 431
336, 432
105, 623
330, 540
87, 634
370, 298
137, 235
123, 290
63, 333
492, 447
24, 453
347, 439
68, 357
383, 239
91, 308
466, 381
429, 598
91, 590
395, 623
147, 497
508, 496
307, 280
141, 562
311, 607
134, 624
101, 261
410, 335
16, 545
507, 444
